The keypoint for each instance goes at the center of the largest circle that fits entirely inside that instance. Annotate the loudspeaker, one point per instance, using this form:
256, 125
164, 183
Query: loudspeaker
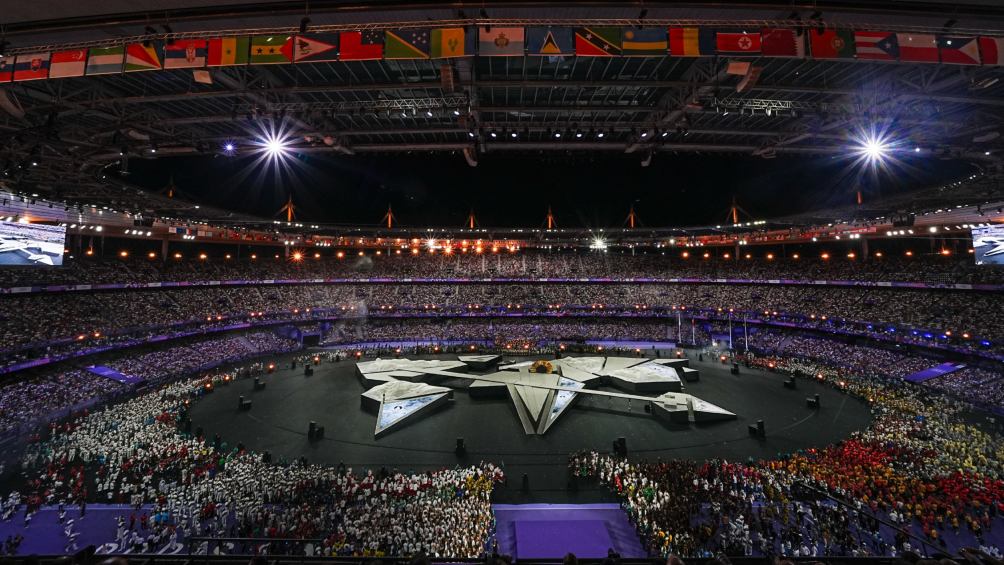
753, 430
461, 448
308, 371
648, 408
292, 365
790, 383
258, 385
266, 457
319, 432
761, 429
240, 402
526, 483
245, 405
311, 430
620, 447
812, 402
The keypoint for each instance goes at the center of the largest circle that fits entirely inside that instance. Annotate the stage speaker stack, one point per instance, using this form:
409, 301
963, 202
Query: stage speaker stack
245, 404
319, 432
790, 383
761, 430
735, 368
308, 371
258, 385
461, 448
311, 429
812, 402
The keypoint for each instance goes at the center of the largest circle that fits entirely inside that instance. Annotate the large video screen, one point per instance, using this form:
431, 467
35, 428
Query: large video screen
31, 244
988, 245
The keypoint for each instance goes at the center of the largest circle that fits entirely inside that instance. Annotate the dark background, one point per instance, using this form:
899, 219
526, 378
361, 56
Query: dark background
515, 189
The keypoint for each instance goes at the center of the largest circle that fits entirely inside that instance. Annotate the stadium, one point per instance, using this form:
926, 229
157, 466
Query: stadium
349, 281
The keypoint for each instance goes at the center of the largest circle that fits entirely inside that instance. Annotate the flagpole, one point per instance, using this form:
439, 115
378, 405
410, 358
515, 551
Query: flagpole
730, 330
746, 334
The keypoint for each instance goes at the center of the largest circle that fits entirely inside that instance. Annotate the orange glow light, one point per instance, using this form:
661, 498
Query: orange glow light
151, 255
795, 256
297, 256
340, 254
825, 256
909, 253
202, 256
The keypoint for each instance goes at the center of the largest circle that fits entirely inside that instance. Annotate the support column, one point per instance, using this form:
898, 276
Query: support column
163, 249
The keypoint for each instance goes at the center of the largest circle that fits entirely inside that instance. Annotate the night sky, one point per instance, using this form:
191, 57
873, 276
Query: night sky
515, 189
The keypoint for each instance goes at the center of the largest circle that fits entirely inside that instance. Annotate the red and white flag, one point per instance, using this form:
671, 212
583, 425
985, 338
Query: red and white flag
876, 45
68, 63
917, 48
737, 42
992, 50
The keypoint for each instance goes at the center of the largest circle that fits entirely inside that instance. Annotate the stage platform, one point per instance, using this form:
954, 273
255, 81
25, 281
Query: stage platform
492, 431
549, 531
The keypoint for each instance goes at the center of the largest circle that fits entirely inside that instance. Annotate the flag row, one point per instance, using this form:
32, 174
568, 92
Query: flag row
439, 43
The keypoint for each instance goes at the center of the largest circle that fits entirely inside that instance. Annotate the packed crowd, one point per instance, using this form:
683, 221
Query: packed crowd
137, 453
938, 269
796, 353
920, 478
45, 394
943, 317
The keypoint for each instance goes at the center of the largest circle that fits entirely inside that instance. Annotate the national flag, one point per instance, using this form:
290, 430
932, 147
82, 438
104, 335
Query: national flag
185, 54
780, 42
71, 63
315, 48
446, 42
876, 45
228, 51
831, 44
411, 43
550, 41
271, 49
105, 60
597, 41
501, 41
959, 50
992, 50
644, 42
142, 57
737, 43
31, 66
691, 42
6, 69
361, 45
917, 47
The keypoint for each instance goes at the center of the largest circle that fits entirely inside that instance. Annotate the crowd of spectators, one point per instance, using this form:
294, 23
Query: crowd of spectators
525, 264
137, 453
919, 478
45, 394
910, 315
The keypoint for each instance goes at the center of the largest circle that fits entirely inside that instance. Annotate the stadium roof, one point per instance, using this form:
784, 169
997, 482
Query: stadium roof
62, 138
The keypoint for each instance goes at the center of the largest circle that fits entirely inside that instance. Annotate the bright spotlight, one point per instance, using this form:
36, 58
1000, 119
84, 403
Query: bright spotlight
875, 149
598, 243
274, 147
229, 147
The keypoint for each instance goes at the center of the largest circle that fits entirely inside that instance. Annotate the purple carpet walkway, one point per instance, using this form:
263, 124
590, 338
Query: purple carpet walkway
46, 536
529, 531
